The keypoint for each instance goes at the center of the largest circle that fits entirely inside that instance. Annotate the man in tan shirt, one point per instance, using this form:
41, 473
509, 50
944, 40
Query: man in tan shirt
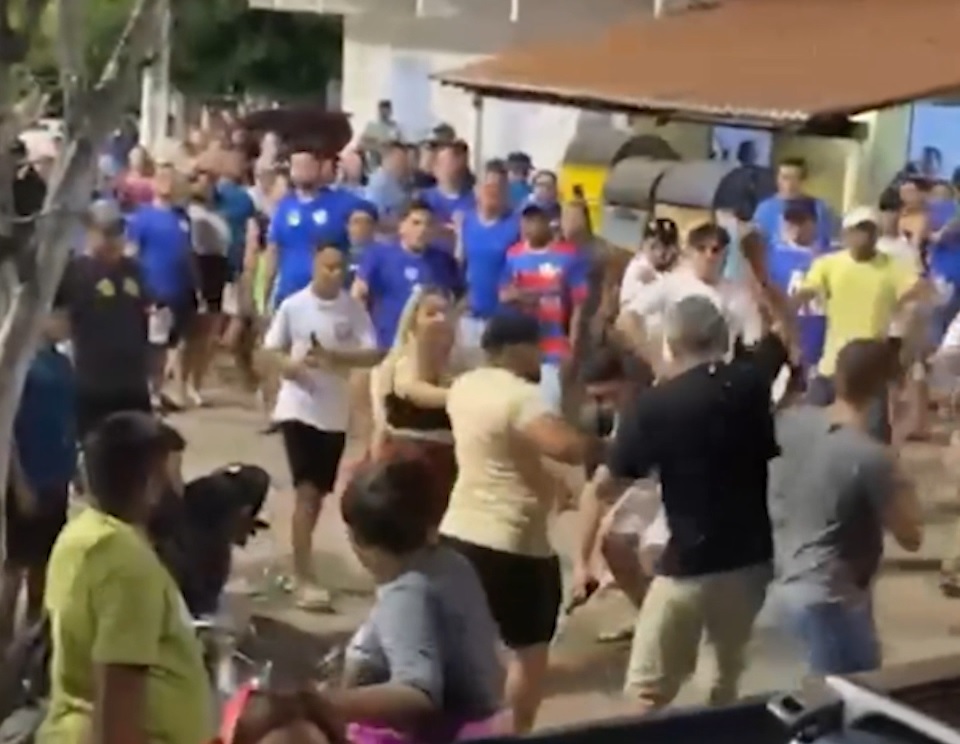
500, 505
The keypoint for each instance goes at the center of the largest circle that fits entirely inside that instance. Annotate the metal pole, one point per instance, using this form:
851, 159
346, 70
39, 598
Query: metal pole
155, 87
477, 133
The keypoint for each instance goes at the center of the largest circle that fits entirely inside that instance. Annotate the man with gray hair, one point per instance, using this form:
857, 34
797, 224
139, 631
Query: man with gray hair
707, 429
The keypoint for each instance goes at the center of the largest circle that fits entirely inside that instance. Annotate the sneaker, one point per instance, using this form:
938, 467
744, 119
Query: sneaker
194, 397
313, 598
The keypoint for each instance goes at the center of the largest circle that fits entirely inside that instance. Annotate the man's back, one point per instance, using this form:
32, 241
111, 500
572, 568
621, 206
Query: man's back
495, 501
827, 490
709, 433
108, 315
110, 601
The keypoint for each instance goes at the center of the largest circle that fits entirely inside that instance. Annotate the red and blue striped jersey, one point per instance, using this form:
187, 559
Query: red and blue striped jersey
553, 280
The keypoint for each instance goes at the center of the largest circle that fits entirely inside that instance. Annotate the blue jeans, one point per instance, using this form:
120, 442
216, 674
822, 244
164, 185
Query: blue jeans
837, 637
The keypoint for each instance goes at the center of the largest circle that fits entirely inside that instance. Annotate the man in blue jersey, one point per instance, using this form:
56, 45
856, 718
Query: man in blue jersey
158, 234
390, 185
544, 194
452, 197
388, 275
236, 206
486, 234
791, 174
519, 189
789, 261
311, 215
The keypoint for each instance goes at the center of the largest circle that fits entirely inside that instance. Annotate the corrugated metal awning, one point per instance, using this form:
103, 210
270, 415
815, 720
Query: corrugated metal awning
767, 62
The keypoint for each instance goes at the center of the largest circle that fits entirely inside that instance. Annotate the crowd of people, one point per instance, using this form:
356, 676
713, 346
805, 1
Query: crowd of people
737, 410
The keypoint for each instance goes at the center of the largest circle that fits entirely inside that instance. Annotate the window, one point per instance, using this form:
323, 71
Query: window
741, 145
934, 143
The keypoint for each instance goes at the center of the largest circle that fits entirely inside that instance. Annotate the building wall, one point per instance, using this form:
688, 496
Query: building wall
391, 55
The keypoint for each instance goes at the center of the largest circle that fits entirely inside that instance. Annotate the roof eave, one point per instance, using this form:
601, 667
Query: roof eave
677, 110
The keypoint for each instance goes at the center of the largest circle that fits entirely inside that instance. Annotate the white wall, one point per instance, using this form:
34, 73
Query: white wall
391, 55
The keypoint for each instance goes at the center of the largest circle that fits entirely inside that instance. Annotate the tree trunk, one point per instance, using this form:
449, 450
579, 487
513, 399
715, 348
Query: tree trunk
95, 111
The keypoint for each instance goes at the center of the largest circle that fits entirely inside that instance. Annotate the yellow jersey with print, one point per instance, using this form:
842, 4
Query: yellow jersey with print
111, 601
859, 298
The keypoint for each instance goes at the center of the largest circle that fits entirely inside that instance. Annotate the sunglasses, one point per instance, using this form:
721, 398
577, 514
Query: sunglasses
712, 249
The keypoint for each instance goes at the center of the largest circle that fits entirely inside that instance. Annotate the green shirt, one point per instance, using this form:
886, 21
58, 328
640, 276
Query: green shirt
111, 601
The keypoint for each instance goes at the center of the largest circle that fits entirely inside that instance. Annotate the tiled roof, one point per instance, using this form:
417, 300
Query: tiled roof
776, 61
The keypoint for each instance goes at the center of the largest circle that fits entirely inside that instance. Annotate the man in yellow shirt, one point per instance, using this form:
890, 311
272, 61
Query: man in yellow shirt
126, 666
862, 290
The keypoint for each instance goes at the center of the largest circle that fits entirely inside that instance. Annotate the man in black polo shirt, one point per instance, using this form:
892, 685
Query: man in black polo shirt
708, 431
108, 316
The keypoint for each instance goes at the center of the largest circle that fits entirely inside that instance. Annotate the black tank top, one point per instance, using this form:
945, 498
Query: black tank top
404, 414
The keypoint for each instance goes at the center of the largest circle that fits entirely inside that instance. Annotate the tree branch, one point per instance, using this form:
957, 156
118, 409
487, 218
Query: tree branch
71, 49
15, 41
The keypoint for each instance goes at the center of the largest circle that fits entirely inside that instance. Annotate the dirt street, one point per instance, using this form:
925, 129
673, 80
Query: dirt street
913, 617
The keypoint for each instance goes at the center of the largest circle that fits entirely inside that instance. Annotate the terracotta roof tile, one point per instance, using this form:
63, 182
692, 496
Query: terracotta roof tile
767, 60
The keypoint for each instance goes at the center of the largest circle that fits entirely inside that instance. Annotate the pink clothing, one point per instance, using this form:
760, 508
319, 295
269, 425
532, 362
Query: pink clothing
134, 191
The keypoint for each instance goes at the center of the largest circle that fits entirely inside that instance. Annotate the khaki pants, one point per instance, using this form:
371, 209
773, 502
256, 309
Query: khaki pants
676, 613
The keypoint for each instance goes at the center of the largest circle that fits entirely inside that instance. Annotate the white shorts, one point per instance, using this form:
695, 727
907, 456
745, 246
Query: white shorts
551, 387
471, 331
639, 511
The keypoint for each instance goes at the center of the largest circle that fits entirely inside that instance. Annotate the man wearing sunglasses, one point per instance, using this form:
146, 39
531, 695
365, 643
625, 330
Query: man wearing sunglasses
699, 273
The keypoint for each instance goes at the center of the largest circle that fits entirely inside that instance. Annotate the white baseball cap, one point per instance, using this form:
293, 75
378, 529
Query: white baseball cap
860, 216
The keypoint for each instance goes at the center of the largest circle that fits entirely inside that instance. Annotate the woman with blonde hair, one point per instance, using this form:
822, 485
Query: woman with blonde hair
409, 391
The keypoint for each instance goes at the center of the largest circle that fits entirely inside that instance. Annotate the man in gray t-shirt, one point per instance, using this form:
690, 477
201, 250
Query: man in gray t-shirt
833, 492
828, 491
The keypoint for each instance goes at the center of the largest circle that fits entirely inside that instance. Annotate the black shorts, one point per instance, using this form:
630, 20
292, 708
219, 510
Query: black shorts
214, 273
312, 454
30, 538
94, 407
184, 312
524, 592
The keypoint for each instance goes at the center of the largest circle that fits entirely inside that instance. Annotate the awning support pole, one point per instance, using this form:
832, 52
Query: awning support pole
477, 133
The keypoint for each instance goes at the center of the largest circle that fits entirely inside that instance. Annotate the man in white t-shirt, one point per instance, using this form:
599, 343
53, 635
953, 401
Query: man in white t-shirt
699, 274
318, 335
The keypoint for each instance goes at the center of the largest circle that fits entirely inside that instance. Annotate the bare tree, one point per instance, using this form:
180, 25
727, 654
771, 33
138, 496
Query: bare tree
34, 251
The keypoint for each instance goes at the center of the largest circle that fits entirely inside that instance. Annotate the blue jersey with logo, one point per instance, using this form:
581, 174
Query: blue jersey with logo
788, 265
445, 206
391, 272
162, 238
300, 225
485, 245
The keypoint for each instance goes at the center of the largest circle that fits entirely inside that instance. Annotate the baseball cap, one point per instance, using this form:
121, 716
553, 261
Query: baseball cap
510, 328
105, 215
532, 209
663, 229
860, 216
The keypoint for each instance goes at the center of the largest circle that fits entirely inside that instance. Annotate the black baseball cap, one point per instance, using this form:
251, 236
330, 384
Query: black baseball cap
510, 328
663, 229
532, 209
